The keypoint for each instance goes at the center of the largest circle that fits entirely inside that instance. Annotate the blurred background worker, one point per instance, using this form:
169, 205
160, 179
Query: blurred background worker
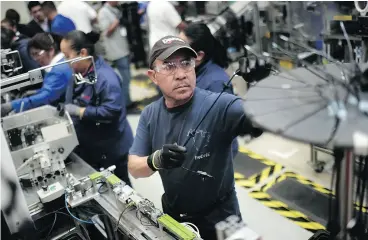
116, 44
17, 42
211, 62
81, 13
161, 25
45, 50
98, 110
39, 22
59, 24
163, 20
14, 16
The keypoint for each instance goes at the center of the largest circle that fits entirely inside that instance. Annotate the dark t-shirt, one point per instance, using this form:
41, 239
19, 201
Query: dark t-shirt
208, 151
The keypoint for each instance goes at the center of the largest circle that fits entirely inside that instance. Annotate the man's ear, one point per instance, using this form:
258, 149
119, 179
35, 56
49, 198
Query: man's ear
152, 76
200, 56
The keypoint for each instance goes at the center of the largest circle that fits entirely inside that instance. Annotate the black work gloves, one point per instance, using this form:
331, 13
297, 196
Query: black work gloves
170, 156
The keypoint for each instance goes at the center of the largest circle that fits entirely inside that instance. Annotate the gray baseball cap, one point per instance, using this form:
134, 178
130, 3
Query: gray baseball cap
166, 46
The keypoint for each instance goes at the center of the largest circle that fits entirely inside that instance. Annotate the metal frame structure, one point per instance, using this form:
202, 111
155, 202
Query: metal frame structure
35, 76
4, 60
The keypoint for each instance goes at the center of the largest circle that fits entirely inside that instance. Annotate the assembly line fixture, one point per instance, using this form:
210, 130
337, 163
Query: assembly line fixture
323, 105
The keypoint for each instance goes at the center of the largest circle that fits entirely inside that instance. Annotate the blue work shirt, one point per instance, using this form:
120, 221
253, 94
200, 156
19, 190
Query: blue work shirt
53, 89
209, 150
212, 77
62, 25
104, 133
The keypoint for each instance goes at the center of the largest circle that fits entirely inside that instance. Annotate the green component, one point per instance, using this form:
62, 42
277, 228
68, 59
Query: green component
113, 179
95, 176
176, 228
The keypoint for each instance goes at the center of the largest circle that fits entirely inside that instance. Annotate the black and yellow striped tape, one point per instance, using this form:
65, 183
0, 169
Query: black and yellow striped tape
284, 210
307, 182
251, 181
281, 208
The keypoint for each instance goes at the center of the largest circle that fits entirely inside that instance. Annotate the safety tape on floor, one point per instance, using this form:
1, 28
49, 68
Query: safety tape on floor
252, 181
303, 181
283, 209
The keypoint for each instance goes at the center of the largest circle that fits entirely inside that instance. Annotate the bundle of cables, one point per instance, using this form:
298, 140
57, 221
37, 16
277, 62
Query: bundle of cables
72, 215
192, 228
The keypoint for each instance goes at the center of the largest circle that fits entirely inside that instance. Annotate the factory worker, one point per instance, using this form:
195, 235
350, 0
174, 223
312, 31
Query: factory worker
164, 127
98, 110
59, 24
211, 62
44, 49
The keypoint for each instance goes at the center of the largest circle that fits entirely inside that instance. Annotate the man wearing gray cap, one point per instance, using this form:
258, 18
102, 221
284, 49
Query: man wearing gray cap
198, 178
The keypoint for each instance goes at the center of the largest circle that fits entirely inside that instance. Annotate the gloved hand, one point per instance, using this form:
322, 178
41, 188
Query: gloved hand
73, 110
170, 156
5, 109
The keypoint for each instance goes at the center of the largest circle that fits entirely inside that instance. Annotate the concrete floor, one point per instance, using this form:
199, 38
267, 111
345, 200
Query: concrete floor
294, 156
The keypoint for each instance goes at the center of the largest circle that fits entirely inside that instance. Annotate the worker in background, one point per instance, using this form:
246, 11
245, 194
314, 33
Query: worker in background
59, 24
211, 62
164, 127
11, 25
163, 20
13, 15
116, 45
161, 25
39, 22
98, 110
20, 43
81, 13
44, 49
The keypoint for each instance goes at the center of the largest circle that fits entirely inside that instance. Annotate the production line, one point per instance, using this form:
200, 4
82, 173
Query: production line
45, 180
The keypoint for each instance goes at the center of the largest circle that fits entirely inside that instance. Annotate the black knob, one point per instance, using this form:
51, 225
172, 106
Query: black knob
44, 188
61, 150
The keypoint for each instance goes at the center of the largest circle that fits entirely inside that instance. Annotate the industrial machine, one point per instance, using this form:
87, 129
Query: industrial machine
10, 62
334, 115
39, 141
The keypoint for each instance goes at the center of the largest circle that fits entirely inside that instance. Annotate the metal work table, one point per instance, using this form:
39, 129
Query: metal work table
129, 223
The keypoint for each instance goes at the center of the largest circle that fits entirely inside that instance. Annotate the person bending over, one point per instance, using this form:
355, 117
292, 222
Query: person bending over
44, 49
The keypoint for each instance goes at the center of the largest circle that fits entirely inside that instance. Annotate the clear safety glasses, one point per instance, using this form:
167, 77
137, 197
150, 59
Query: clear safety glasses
169, 68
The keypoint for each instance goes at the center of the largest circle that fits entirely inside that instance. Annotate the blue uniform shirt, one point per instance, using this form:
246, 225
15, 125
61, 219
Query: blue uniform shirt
53, 89
212, 77
62, 25
209, 151
104, 133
